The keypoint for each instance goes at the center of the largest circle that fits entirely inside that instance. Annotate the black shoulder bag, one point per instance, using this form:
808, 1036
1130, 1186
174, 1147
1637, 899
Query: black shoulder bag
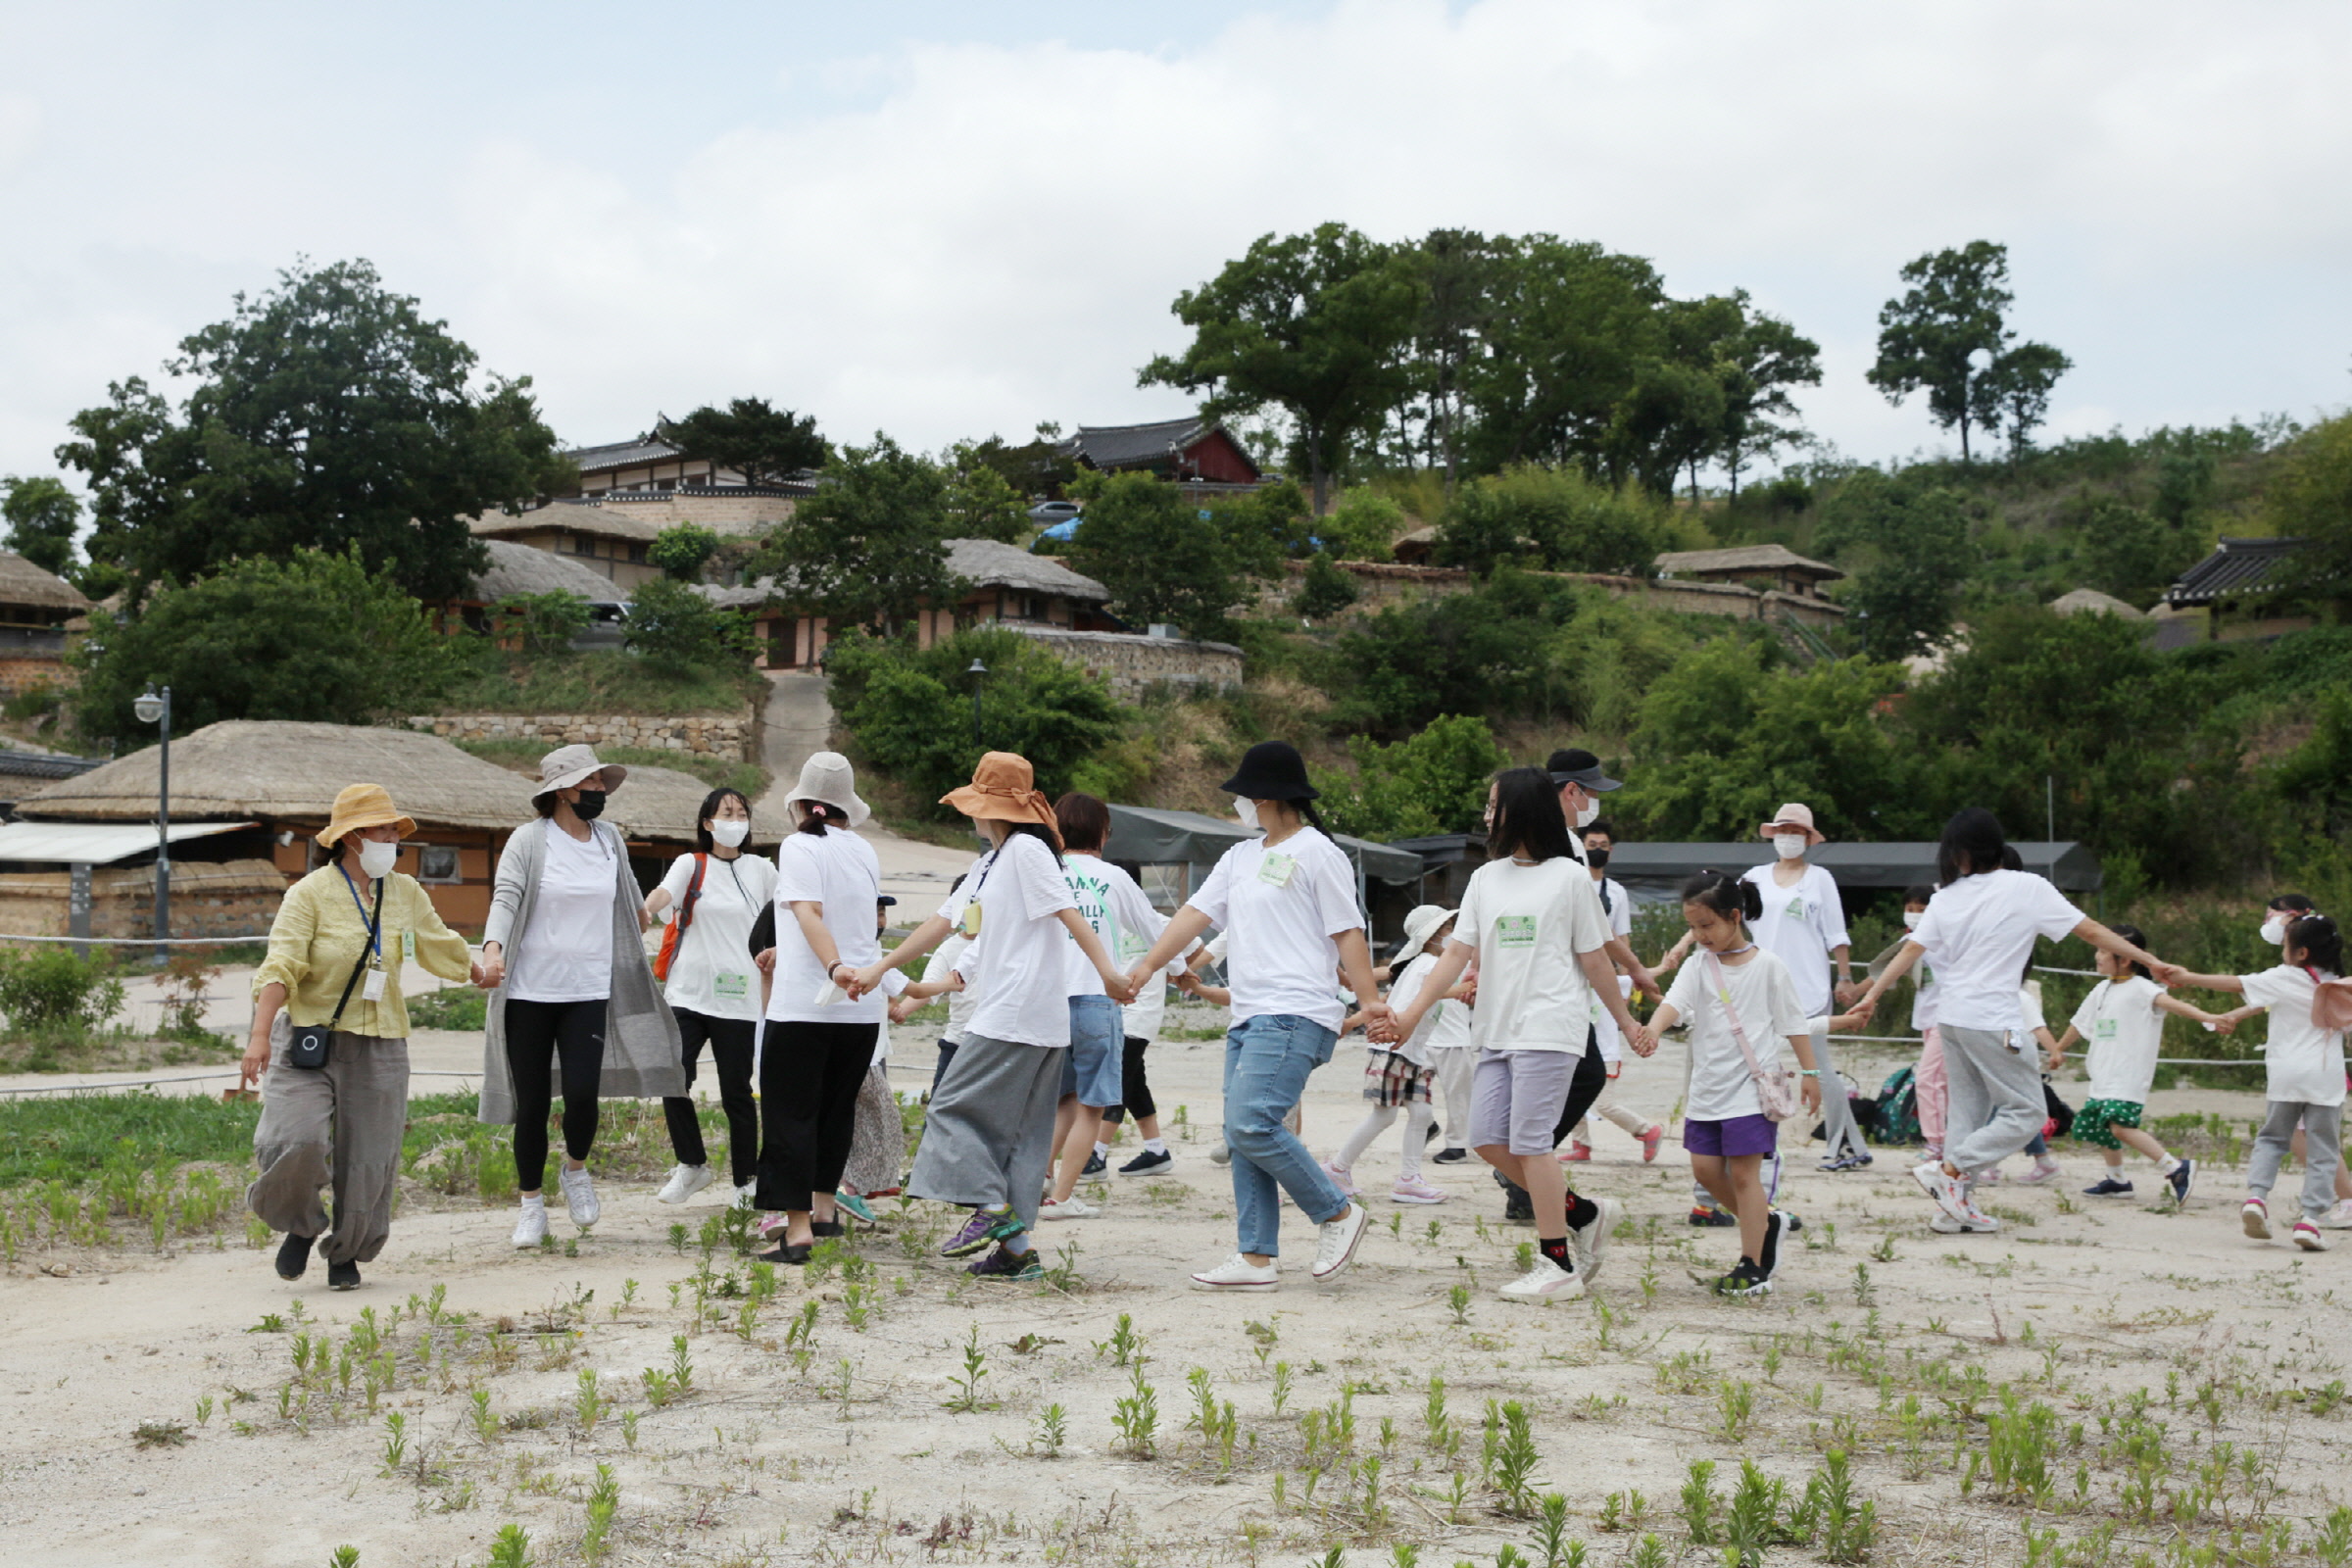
309, 1043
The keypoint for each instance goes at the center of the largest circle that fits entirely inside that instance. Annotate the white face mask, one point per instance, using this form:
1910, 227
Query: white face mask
2274, 931
729, 833
1588, 815
378, 859
1911, 918
1246, 810
1788, 846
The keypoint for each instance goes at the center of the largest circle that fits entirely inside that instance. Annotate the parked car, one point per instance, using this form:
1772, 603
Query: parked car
1045, 513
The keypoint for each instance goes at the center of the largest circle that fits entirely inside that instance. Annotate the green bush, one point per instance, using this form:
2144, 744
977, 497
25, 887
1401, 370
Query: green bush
1363, 526
681, 549
910, 709
50, 990
1325, 590
545, 624
1555, 518
1433, 782
453, 1008
673, 627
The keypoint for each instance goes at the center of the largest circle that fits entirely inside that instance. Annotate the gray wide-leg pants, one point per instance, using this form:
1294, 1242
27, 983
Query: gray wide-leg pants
335, 1126
1836, 1112
988, 1136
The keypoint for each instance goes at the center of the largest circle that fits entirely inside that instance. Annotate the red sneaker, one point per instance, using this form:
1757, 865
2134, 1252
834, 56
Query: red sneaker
1575, 1153
1650, 1141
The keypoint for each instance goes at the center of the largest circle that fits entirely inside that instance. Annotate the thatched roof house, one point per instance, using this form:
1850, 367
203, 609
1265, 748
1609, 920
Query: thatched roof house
35, 610
515, 569
2091, 602
29, 594
656, 808
1790, 572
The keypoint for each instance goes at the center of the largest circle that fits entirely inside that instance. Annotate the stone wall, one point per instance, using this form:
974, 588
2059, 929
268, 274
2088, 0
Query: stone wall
720, 510
732, 736
24, 669
1133, 665
1382, 583
209, 899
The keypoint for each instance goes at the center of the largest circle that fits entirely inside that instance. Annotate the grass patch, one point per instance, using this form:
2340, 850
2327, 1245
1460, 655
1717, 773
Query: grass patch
522, 756
596, 682
457, 1008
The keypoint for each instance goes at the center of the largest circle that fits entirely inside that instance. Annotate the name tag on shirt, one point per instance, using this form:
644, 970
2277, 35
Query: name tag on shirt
1515, 931
2105, 1029
1275, 869
730, 986
407, 947
371, 989
1795, 910
969, 924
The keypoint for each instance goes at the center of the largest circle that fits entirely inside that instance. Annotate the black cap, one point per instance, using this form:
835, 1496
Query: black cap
1573, 765
885, 898
1272, 770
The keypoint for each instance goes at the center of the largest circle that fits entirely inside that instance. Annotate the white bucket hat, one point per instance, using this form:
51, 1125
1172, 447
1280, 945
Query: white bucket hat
1424, 919
568, 766
828, 778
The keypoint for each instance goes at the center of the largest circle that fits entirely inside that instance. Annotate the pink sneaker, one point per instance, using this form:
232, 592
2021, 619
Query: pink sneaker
2043, 1171
1650, 1141
1413, 1190
1575, 1153
1340, 1175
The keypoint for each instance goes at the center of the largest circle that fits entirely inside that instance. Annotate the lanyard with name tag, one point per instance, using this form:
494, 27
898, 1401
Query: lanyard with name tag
1275, 869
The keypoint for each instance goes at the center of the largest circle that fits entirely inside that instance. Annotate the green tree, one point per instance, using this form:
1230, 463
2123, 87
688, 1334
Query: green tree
1457, 273
2311, 497
1313, 323
763, 444
2126, 551
1759, 364
981, 504
866, 549
42, 516
1484, 652
327, 412
670, 625
1164, 560
316, 636
1037, 468
543, 623
910, 711
1325, 590
1569, 327
1954, 313
1907, 545
1434, 781
1363, 526
1555, 518
682, 549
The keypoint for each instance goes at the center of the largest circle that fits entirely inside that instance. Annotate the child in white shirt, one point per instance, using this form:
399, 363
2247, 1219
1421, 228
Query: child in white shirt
1398, 1077
2123, 1021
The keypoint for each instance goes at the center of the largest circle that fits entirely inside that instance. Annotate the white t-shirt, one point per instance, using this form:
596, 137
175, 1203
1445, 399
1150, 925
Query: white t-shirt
2029, 1015
960, 1003
1982, 928
711, 972
1800, 925
1764, 994
840, 874
1606, 1032
1115, 909
566, 954
1616, 907
1922, 997
1020, 961
1403, 991
1528, 924
2305, 1062
1282, 910
2122, 1032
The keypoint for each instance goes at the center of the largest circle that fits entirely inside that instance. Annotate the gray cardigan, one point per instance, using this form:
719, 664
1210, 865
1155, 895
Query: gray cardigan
642, 1058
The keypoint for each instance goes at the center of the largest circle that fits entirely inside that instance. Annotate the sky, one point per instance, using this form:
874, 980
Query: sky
944, 221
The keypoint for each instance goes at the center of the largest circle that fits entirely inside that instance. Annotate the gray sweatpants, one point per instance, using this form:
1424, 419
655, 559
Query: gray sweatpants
1836, 1112
989, 1133
340, 1126
1456, 1065
2323, 1135
1996, 1103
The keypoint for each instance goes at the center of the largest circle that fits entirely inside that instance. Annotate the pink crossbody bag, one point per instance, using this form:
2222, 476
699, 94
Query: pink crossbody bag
1776, 1089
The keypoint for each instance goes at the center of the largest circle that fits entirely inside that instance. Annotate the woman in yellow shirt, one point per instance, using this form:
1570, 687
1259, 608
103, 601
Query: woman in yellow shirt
341, 1124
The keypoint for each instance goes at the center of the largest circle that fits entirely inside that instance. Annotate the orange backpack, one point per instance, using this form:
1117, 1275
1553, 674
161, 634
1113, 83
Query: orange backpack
676, 932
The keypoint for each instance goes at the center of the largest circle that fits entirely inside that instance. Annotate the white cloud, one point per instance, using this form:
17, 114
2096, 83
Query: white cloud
942, 240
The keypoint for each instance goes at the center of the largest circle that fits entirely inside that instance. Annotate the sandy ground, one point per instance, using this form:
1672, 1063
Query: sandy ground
852, 1453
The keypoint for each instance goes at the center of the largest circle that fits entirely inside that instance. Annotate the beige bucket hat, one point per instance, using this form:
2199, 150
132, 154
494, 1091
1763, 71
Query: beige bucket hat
1795, 814
828, 779
1424, 919
569, 766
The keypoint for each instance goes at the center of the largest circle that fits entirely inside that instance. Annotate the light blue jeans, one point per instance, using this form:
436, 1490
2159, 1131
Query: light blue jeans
1267, 1060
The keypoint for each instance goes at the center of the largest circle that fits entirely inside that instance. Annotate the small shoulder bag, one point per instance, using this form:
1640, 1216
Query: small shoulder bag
308, 1044
675, 937
1776, 1091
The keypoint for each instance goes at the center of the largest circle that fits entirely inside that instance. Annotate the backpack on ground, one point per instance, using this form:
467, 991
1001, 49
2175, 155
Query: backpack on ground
1897, 1107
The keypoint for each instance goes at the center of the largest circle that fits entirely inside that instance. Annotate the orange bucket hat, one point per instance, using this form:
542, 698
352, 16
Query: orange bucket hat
360, 806
1004, 789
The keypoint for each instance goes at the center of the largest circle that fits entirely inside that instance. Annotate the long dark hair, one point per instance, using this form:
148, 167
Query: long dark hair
2139, 939
711, 805
1527, 818
819, 816
2321, 943
1726, 895
1971, 846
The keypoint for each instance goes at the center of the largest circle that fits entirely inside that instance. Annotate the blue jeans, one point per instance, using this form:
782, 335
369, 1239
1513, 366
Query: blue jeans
1267, 1060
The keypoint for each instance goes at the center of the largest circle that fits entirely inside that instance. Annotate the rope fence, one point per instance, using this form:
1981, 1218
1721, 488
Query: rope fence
2072, 1055
185, 1078
143, 942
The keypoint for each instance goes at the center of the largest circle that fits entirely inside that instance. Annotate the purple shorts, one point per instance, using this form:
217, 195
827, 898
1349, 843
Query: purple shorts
1732, 1136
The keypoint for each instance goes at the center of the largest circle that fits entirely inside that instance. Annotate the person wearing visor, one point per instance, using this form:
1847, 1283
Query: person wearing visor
339, 1125
1576, 774
564, 960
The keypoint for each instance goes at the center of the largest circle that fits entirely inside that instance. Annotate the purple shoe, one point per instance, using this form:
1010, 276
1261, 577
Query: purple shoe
981, 1228
1005, 1264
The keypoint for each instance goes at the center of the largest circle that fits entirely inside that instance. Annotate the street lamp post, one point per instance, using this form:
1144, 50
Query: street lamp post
155, 707
978, 671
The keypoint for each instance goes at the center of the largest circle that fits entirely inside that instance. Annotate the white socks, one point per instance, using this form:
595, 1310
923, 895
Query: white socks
534, 1201
1157, 1146
1101, 1151
2167, 1166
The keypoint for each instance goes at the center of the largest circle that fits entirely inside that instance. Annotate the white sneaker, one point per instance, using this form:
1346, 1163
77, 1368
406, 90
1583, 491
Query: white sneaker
1335, 1247
742, 1195
1070, 1207
1947, 1225
2307, 1236
531, 1229
1546, 1282
2256, 1218
2338, 1218
1220, 1154
579, 1196
684, 1182
1340, 1177
1591, 1244
1951, 1196
1238, 1273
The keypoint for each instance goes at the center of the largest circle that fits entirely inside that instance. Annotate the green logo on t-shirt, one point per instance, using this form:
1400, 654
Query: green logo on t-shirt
2105, 1029
1795, 910
1515, 931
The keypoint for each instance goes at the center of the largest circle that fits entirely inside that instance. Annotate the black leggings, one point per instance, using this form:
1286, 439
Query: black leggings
538, 1035
1590, 1078
731, 1055
809, 1075
1132, 1086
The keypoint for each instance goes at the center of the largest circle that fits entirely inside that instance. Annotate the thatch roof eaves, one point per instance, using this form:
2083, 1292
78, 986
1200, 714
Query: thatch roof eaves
573, 516
1744, 557
251, 768
989, 563
662, 803
23, 583
517, 568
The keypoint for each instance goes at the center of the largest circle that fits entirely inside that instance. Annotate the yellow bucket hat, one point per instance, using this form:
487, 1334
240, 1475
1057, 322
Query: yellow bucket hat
360, 806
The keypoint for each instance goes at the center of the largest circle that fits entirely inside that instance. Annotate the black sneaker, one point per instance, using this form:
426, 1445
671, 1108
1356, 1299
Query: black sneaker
1009, 1265
1095, 1166
1450, 1157
2182, 1174
1145, 1163
2109, 1186
1744, 1279
1706, 1214
1428, 1135
1516, 1204
293, 1256
1774, 1223
342, 1276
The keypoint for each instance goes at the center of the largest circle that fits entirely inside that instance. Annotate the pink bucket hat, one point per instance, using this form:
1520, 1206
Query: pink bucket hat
1794, 814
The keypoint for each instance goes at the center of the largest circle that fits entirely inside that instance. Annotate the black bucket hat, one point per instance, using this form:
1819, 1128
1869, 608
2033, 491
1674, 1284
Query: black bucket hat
1573, 765
1272, 770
